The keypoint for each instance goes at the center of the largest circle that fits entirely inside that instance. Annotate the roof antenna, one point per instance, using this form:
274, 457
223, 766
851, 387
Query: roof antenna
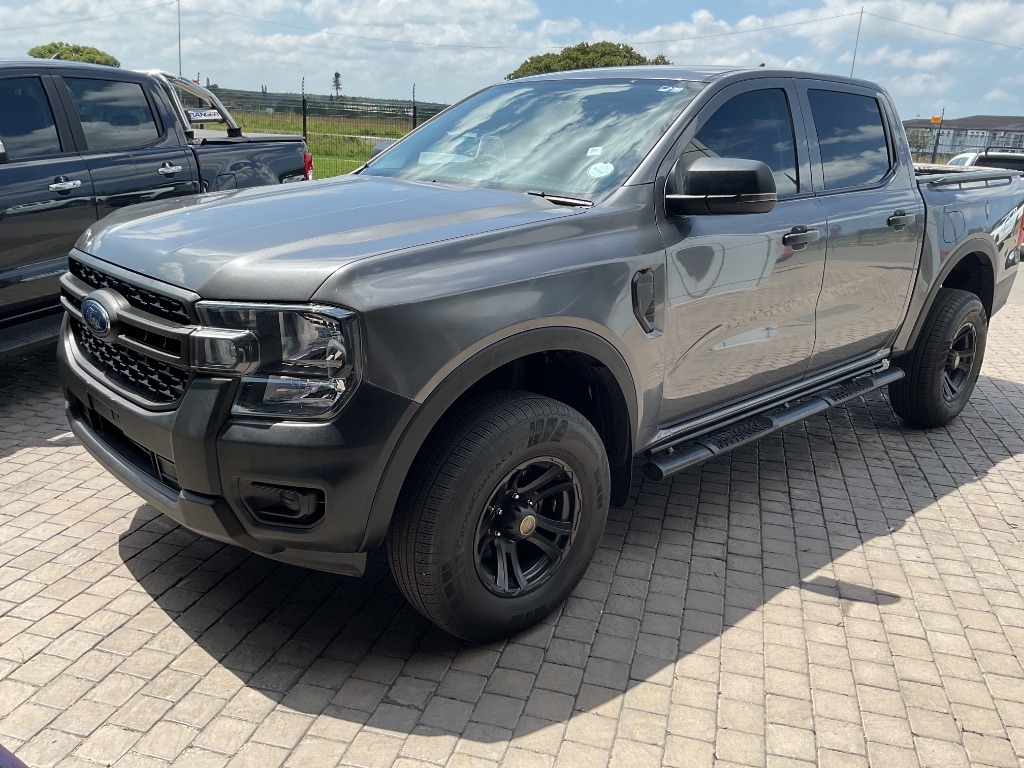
56, 55
761, 64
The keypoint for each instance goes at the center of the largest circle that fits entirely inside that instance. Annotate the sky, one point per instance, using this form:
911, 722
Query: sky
961, 57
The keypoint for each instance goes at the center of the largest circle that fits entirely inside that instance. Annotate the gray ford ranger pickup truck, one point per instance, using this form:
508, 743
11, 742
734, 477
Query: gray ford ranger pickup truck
460, 349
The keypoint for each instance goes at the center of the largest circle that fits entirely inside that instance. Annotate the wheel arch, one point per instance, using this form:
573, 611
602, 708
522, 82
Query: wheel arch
605, 368
970, 267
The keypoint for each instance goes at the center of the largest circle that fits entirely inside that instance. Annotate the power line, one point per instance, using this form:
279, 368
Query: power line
511, 47
89, 18
944, 32
747, 31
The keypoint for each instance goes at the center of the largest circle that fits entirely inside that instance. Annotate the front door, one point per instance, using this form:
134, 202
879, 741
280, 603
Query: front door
742, 288
46, 196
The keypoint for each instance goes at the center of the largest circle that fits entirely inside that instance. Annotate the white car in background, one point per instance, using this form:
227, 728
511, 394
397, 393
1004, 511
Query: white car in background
992, 157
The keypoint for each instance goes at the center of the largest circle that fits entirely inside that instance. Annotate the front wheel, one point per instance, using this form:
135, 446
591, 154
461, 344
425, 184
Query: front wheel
943, 367
500, 516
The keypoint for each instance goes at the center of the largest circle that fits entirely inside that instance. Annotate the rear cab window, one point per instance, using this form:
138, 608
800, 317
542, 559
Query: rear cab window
851, 139
27, 127
115, 114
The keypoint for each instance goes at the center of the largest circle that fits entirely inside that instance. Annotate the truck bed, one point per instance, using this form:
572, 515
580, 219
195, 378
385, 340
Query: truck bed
929, 173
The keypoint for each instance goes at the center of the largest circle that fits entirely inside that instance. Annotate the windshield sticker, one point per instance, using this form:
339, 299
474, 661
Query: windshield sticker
672, 89
433, 158
600, 170
594, 151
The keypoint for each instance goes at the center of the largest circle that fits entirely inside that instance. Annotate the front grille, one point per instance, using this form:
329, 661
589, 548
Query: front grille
151, 379
161, 306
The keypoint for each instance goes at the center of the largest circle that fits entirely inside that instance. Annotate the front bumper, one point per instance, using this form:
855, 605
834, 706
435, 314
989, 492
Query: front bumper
195, 462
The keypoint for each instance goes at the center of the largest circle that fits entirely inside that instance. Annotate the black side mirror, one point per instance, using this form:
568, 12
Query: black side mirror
3, 153
380, 146
718, 185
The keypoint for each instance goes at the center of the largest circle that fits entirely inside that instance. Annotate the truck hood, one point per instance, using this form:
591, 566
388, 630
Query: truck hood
281, 243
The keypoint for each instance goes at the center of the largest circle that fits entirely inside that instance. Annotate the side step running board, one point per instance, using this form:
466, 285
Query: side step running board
675, 458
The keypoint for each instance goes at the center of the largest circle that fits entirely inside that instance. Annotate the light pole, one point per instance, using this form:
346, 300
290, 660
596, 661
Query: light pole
938, 134
179, 38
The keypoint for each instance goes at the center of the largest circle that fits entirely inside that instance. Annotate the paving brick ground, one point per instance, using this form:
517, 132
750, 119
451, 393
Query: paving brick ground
847, 593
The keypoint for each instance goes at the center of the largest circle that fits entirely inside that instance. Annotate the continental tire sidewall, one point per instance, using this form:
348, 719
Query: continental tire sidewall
462, 592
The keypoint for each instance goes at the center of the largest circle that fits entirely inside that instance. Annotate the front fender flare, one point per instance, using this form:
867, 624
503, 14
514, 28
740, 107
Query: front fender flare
444, 395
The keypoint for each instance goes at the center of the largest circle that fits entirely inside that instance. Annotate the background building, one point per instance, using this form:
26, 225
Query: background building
961, 134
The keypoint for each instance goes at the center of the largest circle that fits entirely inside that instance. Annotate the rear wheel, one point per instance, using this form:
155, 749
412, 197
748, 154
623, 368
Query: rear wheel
500, 516
943, 367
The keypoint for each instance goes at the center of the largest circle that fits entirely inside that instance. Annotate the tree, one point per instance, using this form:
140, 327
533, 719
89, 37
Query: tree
336, 83
584, 56
72, 52
920, 139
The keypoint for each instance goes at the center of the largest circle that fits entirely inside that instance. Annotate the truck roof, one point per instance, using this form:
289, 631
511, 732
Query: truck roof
703, 74
26, 61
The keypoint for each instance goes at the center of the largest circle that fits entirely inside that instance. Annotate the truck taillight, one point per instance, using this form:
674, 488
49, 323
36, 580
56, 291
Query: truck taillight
307, 164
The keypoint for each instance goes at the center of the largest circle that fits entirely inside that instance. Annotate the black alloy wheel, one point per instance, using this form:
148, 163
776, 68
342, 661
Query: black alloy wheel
960, 362
528, 526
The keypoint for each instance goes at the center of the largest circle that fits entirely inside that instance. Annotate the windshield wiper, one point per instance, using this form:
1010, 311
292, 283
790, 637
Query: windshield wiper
562, 199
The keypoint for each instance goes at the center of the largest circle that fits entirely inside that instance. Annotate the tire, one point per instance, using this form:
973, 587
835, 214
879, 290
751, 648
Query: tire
943, 367
466, 550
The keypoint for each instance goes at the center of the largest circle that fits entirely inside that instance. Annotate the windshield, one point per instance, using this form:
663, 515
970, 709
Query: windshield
576, 138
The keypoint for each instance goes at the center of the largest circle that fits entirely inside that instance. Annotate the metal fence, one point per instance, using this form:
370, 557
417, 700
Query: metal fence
340, 131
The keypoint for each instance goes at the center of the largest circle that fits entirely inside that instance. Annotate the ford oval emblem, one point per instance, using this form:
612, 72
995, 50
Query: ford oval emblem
96, 318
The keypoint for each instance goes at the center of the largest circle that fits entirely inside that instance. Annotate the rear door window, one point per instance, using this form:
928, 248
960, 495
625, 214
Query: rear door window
27, 127
851, 138
114, 114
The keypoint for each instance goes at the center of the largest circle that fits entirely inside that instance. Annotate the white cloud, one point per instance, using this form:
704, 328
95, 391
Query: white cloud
1000, 96
924, 70
908, 59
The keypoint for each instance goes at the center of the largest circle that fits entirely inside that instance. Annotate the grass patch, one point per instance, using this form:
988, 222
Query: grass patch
339, 144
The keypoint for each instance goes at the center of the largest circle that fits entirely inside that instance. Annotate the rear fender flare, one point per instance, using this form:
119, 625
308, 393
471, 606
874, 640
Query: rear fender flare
979, 244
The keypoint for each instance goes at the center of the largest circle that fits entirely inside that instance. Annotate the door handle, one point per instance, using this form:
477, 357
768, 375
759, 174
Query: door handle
63, 184
800, 235
168, 170
900, 219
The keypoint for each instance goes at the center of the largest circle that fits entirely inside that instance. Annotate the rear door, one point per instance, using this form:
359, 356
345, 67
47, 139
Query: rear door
742, 288
134, 154
865, 181
46, 194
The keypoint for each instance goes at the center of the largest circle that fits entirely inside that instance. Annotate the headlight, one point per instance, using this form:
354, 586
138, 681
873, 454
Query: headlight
295, 361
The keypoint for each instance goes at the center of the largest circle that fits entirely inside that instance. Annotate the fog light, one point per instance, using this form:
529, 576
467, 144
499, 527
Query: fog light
283, 504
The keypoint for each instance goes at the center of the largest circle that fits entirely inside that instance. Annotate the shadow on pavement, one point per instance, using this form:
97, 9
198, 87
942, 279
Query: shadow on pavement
31, 405
681, 564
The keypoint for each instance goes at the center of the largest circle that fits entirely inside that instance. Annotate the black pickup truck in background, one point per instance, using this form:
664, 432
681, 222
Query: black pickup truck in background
78, 141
